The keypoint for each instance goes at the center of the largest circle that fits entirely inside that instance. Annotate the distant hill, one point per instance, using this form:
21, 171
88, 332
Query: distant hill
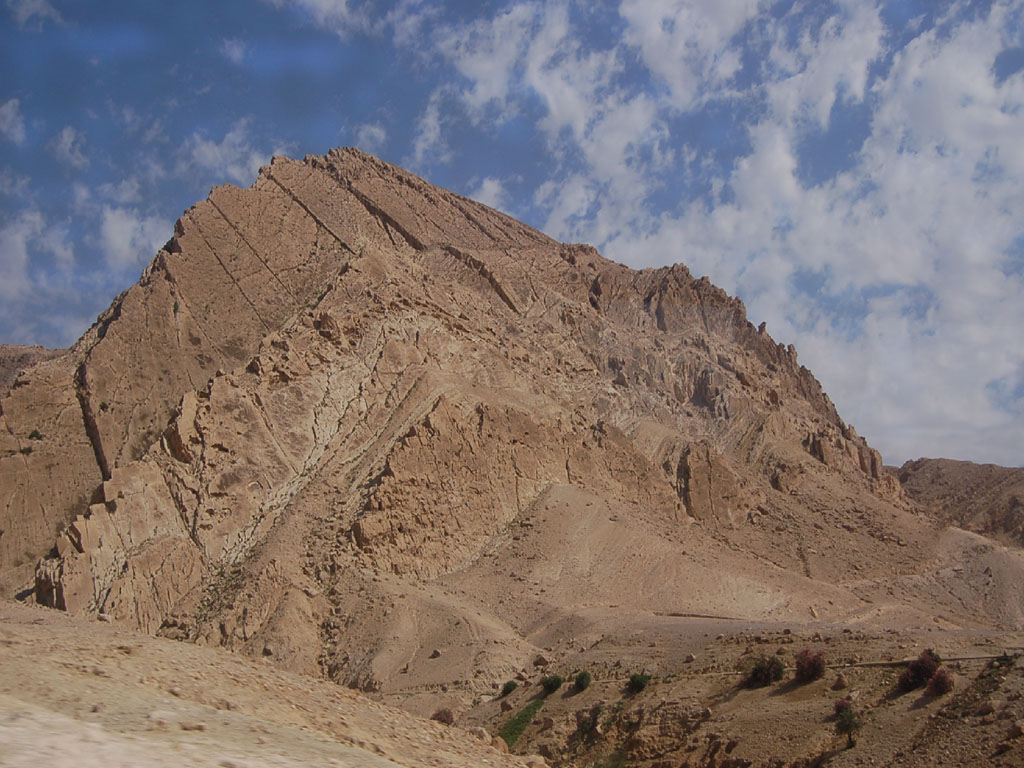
984, 498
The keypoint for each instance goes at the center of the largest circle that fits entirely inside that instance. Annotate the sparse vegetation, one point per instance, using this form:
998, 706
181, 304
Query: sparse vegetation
847, 724
513, 729
638, 681
582, 681
508, 687
766, 670
176, 307
810, 666
26, 450
551, 683
919, 671
841, 705
35, 434
445, 716
940, 683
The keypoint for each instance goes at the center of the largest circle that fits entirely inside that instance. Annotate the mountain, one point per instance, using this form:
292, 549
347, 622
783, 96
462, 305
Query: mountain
14, 359
983, 498
369, 430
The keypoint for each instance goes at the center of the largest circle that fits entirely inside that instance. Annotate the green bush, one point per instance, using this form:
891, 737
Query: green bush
847, 724
583, 681
508, 687
551, 683
35, 434
513, 729
766, 670
638, 681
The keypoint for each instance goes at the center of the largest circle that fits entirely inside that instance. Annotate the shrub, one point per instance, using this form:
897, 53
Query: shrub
35, 434
847, 724
940, 683
514, 728
551, 683
638, 681
582, 681
920, 670
508, 687
766, 670
841, 705
810, 666
445, 716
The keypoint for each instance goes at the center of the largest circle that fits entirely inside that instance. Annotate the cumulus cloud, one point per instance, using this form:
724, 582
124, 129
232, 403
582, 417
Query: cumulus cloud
234, 157
404, 18
429, 145
12, 184
25, 11
233, 50
68, 147
487, 53
27, 241
689, 45
371, 137
490, 191
130, 238
340, 16
12, 124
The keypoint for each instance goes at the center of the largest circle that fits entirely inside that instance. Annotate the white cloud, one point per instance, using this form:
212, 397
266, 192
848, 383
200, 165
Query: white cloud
688, 44
339, 16
12, 124
234, 157
490, 192
11, 184
129, 238
26, 10
345, 17
828, 62
126, 191
68, 147
488, 52
14, 252
429, 145
233, 50
26, 240
371, 137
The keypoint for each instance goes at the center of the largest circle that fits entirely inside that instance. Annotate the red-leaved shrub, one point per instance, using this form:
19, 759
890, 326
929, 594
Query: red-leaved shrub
444, 716
809, 666
940, 683
920, 670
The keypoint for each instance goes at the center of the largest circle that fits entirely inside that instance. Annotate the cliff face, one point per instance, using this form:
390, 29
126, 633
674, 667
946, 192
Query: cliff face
338, 405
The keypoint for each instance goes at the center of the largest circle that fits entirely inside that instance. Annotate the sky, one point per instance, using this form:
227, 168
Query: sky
853, 170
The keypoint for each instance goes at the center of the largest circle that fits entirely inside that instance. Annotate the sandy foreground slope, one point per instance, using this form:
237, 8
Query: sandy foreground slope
79, 692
